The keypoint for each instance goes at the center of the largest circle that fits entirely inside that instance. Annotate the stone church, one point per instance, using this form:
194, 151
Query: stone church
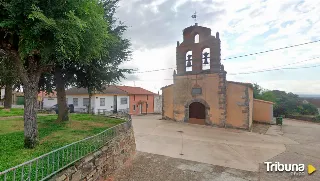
200, 93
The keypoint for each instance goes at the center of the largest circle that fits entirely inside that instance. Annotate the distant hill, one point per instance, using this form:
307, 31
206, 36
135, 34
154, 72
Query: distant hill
309, 95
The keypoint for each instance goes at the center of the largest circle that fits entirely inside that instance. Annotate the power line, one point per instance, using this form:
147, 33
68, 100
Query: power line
246, 55
156, 70
272, 50
258, 71
279, 66
268, 70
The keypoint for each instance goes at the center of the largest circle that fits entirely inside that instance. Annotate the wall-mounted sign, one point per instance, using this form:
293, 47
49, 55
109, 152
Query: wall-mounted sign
196, 91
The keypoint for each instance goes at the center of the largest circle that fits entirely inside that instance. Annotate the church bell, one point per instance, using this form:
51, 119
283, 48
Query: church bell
189, 64
206, 58
189, 61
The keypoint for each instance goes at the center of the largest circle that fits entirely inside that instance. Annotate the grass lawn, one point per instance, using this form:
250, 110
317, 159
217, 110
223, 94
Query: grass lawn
51, 135
11, 112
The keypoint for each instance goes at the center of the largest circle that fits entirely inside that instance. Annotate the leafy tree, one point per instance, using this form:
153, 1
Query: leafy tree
308, 109
8, 79
92, 73
104, 71
257, 90
285, 103
268, 96
40, 34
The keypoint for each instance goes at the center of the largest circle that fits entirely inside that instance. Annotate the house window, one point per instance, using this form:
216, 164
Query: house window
102, 101
134, 97
134, 107
147, 97
75, 101
85, 101
124, 100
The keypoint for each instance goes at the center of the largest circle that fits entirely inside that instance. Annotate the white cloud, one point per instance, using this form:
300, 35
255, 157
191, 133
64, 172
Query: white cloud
245, 27
310, 86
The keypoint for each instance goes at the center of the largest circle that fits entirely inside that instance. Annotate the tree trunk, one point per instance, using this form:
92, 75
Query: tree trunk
30, 80
63, 111
89, 105
8, 97
30, 114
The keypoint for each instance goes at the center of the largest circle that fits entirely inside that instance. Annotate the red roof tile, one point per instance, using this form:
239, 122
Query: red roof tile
106, 90
45, 94
135, 90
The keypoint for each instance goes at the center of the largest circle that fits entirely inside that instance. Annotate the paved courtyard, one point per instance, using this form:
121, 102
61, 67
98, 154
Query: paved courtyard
196, 152
218, 146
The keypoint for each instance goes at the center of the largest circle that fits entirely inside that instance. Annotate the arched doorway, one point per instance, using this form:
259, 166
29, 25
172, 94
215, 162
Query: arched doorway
197, 113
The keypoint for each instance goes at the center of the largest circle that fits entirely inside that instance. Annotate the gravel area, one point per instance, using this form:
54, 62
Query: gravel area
147, 167
260, 128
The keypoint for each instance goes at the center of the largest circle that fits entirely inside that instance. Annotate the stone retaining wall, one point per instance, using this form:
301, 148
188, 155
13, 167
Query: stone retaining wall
304, 118
102, 164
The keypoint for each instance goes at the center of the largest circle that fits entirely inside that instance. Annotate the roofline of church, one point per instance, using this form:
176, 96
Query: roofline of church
232, 82
260, 100
195, 25
241, 83
166, 86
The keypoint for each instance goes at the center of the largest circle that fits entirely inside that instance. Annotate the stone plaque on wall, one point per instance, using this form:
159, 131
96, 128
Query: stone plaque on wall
196, 91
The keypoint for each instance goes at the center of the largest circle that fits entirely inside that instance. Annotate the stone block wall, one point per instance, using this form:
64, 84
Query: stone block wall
102, 164
239, 99
222, 98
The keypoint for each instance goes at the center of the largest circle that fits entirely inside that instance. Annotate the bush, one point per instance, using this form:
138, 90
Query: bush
305, 118
308, 109
279, 111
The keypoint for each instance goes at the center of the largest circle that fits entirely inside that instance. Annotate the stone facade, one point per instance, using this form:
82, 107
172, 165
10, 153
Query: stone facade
102, 164
224, 103
222, 97
207, 110
206, 40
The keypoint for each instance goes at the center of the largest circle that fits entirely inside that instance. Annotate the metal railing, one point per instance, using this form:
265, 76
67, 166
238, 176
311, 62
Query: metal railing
49, 164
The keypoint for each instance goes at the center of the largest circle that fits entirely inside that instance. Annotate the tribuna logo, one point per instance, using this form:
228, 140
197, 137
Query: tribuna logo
278, 167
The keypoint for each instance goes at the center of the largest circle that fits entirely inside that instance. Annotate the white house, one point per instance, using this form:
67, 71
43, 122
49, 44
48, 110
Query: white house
158, 103
110, 99
48, 102
2, 91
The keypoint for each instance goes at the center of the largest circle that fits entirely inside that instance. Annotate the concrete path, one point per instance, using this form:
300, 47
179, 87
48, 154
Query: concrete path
217, 146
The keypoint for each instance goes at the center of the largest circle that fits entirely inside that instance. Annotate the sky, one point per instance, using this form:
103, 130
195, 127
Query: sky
245, 27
